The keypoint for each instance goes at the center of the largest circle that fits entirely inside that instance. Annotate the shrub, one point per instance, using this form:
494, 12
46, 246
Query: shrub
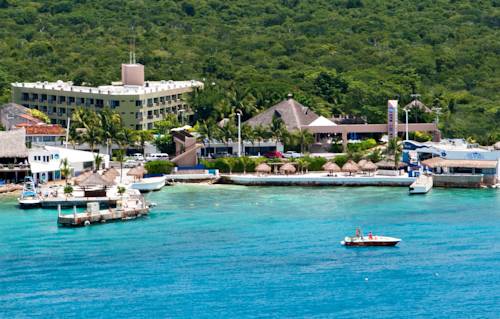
68, 189
362, 146
159, 167
315, 163
341, 160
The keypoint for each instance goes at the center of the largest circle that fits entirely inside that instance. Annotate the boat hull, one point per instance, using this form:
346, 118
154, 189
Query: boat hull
29, 203
149, 184
375, 241
369, 244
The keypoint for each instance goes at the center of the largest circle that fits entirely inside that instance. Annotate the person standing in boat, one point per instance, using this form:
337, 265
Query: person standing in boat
358, 233
370, 235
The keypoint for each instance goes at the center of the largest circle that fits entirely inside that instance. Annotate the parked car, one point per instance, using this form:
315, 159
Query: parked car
292, 154
130, 163
274, 154
157, 156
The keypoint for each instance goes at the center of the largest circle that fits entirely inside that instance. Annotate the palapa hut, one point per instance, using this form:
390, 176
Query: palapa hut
369, 167
288, 168
13, 155
111, 174
361, 163
80, 178
263, 168
390, 165
350, 167
331, 167
138, 172
97, 184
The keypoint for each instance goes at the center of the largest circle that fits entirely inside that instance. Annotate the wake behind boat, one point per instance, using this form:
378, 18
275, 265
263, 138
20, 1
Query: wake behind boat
371, 240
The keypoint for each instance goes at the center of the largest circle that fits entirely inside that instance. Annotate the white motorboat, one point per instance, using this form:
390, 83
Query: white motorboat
422, 185
149, 184
29, 196
371, 240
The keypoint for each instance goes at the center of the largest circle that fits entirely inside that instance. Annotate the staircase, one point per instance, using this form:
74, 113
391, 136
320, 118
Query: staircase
185, 149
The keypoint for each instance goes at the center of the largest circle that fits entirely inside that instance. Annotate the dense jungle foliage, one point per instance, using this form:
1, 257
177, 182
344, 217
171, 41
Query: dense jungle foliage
336, 56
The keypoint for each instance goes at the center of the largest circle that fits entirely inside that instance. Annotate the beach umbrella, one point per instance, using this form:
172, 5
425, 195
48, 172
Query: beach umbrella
350, 167
83, 176
331, 167
112, 172
388, 164
362, 162
263, 168
369, 166
95, 179
137, 172
288, 168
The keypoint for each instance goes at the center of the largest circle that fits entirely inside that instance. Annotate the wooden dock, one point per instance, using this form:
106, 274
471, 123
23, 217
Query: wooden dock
78, 201
94, 215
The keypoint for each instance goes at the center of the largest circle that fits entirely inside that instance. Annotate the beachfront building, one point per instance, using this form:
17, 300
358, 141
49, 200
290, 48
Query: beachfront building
140, 103
45, 162
299, 117
13, 156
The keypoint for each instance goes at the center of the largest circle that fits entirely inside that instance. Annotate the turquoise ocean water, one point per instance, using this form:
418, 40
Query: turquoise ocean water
238, 252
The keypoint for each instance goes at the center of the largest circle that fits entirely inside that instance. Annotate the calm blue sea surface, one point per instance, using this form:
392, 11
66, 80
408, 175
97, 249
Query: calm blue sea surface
238, 252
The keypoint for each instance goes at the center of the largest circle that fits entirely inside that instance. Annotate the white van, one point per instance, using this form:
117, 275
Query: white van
157, 156
138, 157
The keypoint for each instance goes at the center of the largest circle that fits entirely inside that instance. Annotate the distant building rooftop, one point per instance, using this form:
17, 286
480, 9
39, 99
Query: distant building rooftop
293, 114
148, 87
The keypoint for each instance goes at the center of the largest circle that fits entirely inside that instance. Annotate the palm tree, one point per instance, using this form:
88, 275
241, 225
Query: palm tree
65, 169
208, 131
261, 133
304, 137
143, 137
245, 161
98, 161
228, 132
110, 123
395, 149
248, 134
120, 157
278, 130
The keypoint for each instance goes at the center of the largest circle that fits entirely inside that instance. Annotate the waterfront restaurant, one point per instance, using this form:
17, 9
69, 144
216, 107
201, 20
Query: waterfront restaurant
13, 156
463, 173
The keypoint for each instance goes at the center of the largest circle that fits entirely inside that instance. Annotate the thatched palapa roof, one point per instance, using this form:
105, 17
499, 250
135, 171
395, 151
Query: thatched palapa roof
362, 162
263, 168
95, 179
441, 162
13, 144
288, 168
331, 167
388, 164
137, 171
83, 176
350, 167
368, 166
293, 114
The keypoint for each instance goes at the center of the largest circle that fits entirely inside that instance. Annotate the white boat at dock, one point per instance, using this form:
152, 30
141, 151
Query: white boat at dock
149, 184
422, 185
29, 196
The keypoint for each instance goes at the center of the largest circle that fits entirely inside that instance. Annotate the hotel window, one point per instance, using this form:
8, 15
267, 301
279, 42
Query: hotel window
162, 99
34, 97
89, 101
138, 103
156, 100
62, 99
52, 98
62, 110
168, 98
54, 109
25, 97
43, 98
150, 102
71, 99
99, 102
79, 100
114, 103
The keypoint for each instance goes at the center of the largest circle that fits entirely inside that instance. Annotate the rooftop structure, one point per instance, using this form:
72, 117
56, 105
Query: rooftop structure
293, 114
140, 103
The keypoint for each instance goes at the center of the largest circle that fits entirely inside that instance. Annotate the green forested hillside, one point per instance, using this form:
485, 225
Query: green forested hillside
337, 56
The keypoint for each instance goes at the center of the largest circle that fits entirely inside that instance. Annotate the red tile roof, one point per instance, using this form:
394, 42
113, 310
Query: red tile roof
47, 129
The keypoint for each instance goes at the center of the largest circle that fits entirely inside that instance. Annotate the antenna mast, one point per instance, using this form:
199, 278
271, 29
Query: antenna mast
132, 48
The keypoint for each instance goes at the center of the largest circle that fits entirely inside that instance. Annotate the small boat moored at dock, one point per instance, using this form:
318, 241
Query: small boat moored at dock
149, 184
29, 196
421, 186
371, 240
